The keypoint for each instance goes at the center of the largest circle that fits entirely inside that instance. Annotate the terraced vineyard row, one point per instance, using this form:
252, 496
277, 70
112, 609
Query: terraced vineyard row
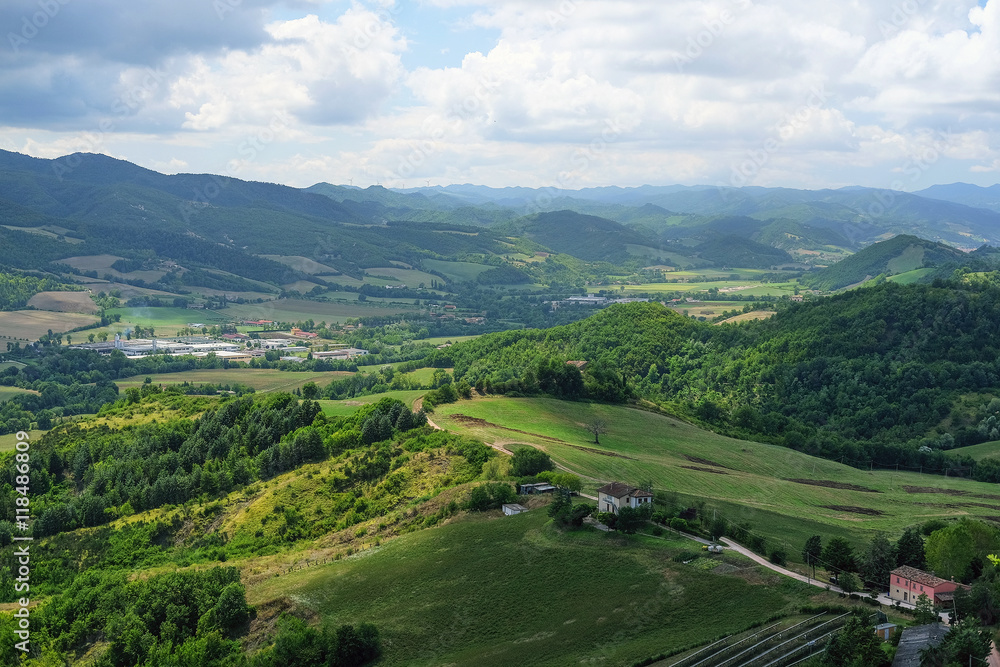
772, 646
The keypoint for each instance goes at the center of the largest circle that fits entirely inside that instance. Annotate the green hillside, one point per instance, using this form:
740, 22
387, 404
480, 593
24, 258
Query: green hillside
587, 237
732, 251
851, 376
508, 590
900, 254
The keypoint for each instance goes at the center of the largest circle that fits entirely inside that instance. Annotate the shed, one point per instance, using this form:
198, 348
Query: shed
885, 630
537, 487
511, 509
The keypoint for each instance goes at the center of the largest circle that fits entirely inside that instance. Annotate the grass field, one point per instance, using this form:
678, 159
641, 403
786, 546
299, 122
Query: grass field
409, 277
8, 441
492, 590
303, 264
64, 302
7, 393
261, 379
981, 451
910, 277
747, 287
747, 317
350, 406
459, 271
678, 457
29, 325
299, 310
441, 340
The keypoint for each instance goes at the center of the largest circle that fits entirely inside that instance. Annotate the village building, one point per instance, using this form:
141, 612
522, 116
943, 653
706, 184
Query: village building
614, 496
906, 584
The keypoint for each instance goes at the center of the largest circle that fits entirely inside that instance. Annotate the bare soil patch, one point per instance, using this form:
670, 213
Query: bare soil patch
950, 492
698, 459
832, 485
854, 510
700, 469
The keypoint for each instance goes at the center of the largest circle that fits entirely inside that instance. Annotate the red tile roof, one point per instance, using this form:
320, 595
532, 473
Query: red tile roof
919, 576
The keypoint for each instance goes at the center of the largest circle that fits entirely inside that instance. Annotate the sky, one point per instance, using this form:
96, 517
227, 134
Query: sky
893, 94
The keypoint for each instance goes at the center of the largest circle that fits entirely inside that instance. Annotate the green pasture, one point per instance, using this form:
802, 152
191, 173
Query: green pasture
910, 277
7, 442
409, 277
981, 451
164, 317
299, 310
490, 590
642, 446
350, 406
441, 340
7, 393
261, 379
456, 271
748, 287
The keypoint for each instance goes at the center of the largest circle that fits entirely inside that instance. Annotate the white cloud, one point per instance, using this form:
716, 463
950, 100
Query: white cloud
323, 73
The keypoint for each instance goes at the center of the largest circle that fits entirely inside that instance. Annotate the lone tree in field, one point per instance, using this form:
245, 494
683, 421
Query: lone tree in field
597, 427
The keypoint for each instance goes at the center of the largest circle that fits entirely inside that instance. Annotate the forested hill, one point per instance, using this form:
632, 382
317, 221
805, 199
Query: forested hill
870, 375
897, 255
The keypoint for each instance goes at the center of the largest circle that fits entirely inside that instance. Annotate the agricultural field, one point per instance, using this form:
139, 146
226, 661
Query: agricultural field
458, 271
747, 287
910, 277
298, 310
300, 286
682, 458
7, 393
303, 264
707, 309
29, 325
65, 302
164, 320
351, 405
102, 264
51, 231
748, 317
490, 590
441, 340
408, 277
261, 379
8, 442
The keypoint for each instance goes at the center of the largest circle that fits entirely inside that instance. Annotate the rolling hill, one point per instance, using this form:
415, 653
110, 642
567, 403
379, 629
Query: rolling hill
899, 254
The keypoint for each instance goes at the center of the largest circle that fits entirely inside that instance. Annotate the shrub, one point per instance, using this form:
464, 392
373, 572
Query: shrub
490, 496
778, 557
529, 461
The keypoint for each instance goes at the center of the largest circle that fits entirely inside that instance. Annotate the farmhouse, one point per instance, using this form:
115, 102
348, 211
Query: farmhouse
511, 509
907, 583
612, 497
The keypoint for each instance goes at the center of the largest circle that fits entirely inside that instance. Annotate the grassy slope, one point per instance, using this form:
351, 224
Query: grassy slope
754, 476
8, 441
350, 406
261, 379
497, 590
981, 451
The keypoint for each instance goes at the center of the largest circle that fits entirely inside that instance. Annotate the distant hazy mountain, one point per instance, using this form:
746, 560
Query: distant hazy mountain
964, 193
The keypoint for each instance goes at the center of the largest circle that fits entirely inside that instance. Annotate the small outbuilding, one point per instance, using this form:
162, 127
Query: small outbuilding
537, 487
510, 509
885, 630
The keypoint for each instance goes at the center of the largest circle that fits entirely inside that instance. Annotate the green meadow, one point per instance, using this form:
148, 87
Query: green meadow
352, 405
261, 379
490, 590
745, 477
